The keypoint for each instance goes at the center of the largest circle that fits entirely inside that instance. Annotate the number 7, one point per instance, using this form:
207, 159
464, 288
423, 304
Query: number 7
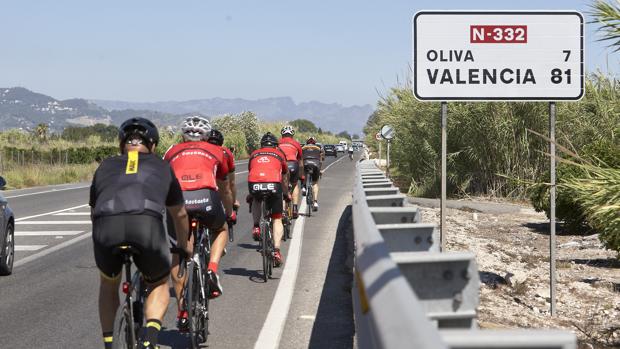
567, 53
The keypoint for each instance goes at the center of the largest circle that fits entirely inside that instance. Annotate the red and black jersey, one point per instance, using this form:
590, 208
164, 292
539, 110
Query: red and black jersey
291, 148
267, 165
197, 164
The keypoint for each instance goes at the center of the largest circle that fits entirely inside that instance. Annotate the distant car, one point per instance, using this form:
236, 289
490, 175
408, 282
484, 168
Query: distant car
340, 148
330, 150
7, 234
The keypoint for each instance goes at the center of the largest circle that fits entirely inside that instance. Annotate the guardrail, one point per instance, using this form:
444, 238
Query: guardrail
407, 294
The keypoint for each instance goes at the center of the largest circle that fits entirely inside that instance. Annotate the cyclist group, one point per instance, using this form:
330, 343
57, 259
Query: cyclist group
138, 199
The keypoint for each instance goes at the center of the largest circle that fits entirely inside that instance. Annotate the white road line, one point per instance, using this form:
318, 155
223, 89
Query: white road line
241, 162
236, 173
49, 213
47, 191
51, 222
273, 327
72, 214
51, 250
333, 163
28, 247
48, 233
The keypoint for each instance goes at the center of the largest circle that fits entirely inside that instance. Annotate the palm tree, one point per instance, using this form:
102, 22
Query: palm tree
607, 15
41, 131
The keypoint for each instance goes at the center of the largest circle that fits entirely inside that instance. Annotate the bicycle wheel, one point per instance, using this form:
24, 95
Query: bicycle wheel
309, 196
264, 228
285, 221
272, 260
124, 333
197, 306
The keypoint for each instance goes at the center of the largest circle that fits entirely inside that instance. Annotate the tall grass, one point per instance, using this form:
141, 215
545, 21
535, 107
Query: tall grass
38, 175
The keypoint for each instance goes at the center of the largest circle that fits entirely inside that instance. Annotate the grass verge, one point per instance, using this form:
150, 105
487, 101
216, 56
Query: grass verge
38, 175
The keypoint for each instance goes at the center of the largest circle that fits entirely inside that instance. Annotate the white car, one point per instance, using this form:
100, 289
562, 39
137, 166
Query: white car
340, 148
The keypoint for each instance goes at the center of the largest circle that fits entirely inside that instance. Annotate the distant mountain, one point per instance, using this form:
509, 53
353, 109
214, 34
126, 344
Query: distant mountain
22, 108
334, 117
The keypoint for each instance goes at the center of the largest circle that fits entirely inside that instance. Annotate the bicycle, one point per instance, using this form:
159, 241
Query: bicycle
231, 236
196, 289
287, 217
266, 242
129, 316
309, 191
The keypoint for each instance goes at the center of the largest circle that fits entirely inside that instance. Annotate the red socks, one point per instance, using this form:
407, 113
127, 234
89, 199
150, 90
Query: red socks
212, 266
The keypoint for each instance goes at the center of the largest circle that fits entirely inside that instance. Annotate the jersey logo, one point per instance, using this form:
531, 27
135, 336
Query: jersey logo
132, 162
263, 187
263, 160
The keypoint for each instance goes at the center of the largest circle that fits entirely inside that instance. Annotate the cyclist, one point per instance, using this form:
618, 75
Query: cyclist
198, 166
216, 137
128, 196
292, 150
351, 152
313, 158
268, 165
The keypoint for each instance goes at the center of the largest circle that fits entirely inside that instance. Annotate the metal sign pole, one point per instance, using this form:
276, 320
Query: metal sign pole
444, 155
379, 153
387, 156
552, 209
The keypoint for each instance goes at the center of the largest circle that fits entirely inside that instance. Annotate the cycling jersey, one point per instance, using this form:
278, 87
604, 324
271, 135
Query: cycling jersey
197, 164
134, 184
267, 165
291, 148
311, 151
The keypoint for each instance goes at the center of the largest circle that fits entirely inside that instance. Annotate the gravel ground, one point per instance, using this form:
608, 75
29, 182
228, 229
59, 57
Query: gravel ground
512, 252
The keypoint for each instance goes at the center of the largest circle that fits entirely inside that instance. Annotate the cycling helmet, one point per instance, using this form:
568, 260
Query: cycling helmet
141, 127
215, 137
287, 131
195, 128
311, 140
269, 140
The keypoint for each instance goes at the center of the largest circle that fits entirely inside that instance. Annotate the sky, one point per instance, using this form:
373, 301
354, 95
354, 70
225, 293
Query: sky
345, 51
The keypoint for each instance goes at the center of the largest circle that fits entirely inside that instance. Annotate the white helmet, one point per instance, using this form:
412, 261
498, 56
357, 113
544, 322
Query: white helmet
287, 130
195, 128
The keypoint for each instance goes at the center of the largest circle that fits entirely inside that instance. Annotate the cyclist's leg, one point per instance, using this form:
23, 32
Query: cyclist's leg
275, 203
177, 283
106, 235
215, 220
255, 206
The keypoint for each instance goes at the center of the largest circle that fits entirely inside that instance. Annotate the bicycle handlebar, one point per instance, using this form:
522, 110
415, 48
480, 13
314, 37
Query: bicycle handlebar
182, 260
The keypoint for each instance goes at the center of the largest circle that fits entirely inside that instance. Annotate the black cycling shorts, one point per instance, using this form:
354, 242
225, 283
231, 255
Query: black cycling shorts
315, 166
293, 170
273, 191
204, 205
144, 233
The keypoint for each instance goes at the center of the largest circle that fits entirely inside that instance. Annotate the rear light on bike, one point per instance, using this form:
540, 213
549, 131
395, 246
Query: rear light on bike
194, 224
126, 287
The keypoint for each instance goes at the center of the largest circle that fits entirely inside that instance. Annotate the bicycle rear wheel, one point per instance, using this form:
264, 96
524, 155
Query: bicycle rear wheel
197, 306
264, 229
124, 333
309, 196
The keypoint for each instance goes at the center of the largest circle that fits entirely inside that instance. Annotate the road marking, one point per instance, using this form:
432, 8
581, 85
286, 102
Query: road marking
307, 317
72, 214
236, 173
333, 163
51, 250
28, 247
48, 233
273, 327
51, 222
49, 213
46, 191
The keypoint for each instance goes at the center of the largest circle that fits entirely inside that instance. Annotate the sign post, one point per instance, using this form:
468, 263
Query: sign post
387, 133
499, 56
379, 138
444, 161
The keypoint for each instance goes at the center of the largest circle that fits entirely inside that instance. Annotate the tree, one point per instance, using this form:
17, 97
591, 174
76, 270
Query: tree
356, 136
608, 17
41, 131
303, 125
344, 134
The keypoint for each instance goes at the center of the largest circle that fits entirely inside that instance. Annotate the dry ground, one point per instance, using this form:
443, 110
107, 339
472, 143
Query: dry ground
588, 288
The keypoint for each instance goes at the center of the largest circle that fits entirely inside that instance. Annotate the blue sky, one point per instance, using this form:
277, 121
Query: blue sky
342, 51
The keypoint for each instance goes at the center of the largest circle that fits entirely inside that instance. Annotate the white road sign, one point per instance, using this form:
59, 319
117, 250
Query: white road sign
469, 55
387, 132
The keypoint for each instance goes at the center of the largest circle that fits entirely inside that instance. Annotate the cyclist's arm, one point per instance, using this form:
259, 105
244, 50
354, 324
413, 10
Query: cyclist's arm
300, 160
223, 187
181, 226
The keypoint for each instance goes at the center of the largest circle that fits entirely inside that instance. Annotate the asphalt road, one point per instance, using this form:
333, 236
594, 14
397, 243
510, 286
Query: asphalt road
50, 300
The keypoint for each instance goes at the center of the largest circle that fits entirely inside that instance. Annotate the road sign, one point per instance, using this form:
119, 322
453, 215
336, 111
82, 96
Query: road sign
469, 55
378, 136
387, 132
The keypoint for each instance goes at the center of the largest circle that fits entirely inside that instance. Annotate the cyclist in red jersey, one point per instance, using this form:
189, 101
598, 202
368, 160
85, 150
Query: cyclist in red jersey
293, 152
198, 166
268, 165
216, 137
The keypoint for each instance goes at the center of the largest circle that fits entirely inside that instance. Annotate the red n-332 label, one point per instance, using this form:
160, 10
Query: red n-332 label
498, 34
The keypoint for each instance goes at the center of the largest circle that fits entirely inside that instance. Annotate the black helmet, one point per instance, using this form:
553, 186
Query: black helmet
269, 140
141, 127
215, 137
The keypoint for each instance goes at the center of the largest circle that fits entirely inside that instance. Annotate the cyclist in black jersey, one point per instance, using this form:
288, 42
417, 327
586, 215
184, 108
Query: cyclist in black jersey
128, 197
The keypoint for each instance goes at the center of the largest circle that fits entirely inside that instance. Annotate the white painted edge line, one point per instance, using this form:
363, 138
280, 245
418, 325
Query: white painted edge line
48, 233
271, 333
28, 247
51, 222
49, 213
46, 191
236, 173
72, 214
52, 249
333, 163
